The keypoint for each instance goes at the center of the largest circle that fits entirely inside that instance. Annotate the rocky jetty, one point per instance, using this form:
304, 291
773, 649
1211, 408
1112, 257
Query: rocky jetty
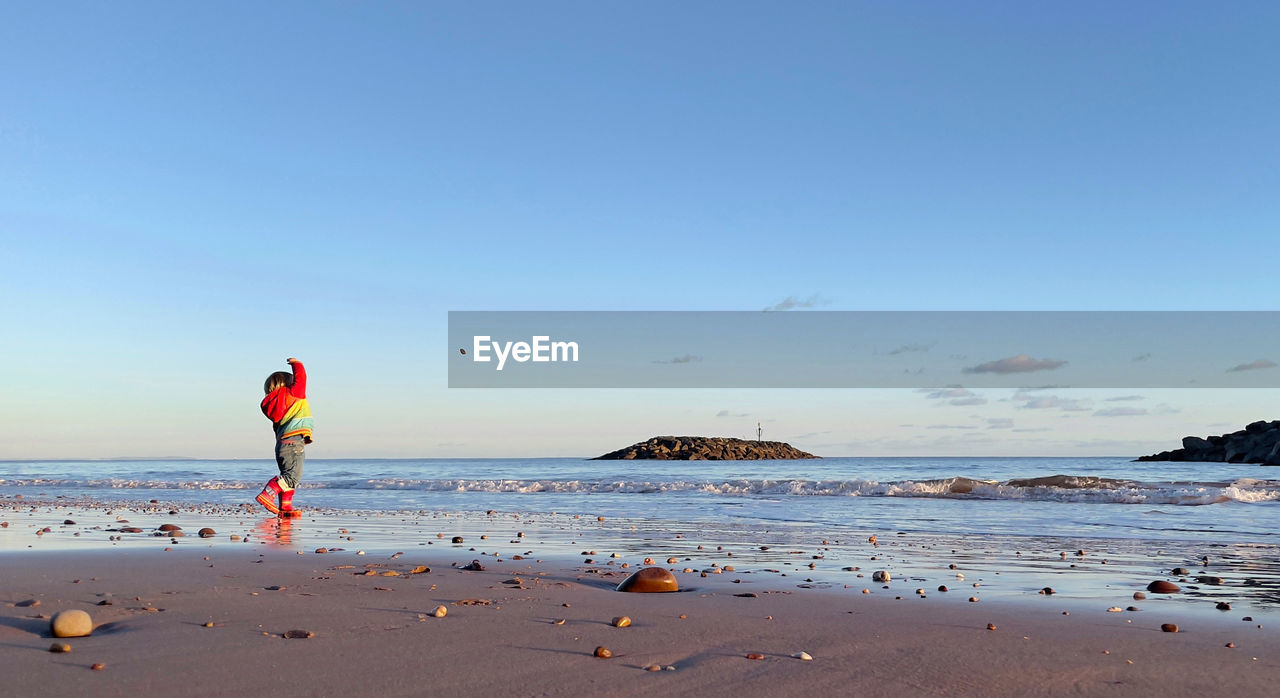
706, 448
1257, 443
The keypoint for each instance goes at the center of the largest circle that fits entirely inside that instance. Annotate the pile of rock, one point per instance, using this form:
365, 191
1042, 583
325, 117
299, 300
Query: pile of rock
1257, 443
706, 448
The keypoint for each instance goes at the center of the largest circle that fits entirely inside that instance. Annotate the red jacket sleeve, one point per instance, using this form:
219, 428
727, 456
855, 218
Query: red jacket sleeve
299, 388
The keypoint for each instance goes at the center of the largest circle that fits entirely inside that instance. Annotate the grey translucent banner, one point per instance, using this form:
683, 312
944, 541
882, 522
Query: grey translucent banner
863, 349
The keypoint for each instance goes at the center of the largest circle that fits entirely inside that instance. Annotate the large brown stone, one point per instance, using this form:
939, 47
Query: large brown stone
650, 579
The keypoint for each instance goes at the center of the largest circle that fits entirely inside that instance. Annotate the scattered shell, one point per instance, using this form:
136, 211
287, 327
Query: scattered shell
71, 623
299, 634
650, 579
1169, 628
802, 656
603, 652
440, 612
558, 621
1115, 609
620, 622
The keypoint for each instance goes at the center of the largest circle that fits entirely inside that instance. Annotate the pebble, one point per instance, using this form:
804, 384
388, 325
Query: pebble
1179, 572
672, 560
1115, 609
620, 622
98, 666
71, 623
942, 588
650, 579
802, 656
1047, 591
457, 539
1169, 628
1162, 587
973, 599
170, 527
653, 667
558, 621
440, 612
59, 647
881, 576
991, 626
1223, 606
321, 551
1230, 645
1138, 596
755, 656
299, 634
603, 652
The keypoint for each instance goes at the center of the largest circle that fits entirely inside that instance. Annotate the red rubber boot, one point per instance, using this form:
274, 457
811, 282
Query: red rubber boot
286, 505
267, 497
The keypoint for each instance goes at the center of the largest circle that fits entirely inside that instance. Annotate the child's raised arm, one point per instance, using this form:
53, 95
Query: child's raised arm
299, 388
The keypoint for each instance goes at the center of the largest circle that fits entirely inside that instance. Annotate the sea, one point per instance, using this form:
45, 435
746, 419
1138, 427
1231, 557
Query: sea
1043, 516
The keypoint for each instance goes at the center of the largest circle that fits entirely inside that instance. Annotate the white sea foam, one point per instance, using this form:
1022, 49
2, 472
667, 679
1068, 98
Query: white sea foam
1075, 489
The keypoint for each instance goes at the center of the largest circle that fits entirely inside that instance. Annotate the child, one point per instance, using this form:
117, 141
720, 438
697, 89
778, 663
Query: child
286, 406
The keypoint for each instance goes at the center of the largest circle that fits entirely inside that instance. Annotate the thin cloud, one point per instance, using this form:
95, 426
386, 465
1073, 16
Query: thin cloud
1048, 402
967, 401
727, 413
686, 359
1125, 398
909, 348
1120, 412
951, 391
950, 426
1258, 365
791, 303
1016, 364
999, 423
1142, 357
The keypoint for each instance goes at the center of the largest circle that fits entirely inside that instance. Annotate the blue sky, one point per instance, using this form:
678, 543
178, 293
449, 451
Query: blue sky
194, 192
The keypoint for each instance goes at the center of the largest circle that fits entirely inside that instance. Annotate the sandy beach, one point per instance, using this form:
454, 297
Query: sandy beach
208, 616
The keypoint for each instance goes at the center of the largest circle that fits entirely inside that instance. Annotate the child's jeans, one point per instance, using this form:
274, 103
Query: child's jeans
289, 457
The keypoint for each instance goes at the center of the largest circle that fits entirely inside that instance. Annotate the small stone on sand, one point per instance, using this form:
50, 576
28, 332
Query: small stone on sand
620, 622
603, 652
1162, 587
802, 656
99, 666
59, 647
1169, 628
991, 626
881, 576
299, 634
755, 655
440, 612
1138, 596
71, 623
649, 579
207, 533
653, 667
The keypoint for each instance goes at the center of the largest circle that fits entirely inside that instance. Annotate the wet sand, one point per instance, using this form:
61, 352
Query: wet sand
176, 621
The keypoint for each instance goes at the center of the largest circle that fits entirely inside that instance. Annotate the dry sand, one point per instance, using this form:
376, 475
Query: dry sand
376, 635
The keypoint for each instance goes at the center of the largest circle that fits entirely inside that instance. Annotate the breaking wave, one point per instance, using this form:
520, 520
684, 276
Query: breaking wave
1054, 488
